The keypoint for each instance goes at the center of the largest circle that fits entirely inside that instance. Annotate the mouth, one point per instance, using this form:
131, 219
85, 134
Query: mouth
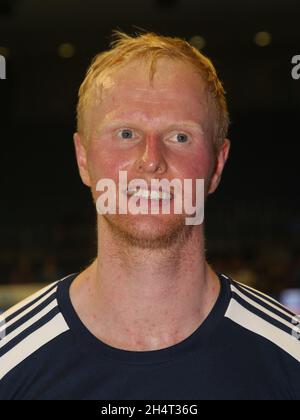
149, 194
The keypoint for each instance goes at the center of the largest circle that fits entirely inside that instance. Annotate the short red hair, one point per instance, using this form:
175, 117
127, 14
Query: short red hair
150, 47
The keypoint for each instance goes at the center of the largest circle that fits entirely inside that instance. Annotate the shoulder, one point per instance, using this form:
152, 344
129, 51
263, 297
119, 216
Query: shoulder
28, 326
264, 316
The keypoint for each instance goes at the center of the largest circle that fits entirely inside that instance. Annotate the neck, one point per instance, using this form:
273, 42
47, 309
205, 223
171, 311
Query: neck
150, 299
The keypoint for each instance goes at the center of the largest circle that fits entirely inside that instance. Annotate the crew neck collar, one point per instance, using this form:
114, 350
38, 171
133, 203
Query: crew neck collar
86, 340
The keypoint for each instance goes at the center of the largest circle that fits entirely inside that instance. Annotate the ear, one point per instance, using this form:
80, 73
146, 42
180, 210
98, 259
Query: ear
81, 157
222, 157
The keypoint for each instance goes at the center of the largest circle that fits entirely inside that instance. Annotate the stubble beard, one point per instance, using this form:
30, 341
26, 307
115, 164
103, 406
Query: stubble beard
163, 235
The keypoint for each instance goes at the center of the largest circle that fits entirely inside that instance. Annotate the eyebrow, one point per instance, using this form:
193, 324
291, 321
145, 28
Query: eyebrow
189, 124
126, 123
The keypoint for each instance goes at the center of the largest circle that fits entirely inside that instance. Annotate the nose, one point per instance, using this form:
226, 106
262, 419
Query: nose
152, 159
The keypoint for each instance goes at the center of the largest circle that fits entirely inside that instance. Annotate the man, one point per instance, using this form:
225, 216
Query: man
149, 318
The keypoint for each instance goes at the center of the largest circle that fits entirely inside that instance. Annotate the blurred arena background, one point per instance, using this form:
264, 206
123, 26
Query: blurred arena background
47, 216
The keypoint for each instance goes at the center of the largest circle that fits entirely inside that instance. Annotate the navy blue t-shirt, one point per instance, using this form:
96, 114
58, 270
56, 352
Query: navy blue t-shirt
247, 348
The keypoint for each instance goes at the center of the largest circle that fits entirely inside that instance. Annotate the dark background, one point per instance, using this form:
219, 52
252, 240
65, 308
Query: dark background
47, 216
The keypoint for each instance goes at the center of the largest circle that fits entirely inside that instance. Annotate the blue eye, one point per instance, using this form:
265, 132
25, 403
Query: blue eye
126, 134
182, 138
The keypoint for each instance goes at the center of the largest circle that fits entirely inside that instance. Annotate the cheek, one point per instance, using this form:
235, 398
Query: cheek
197, 165
100, 167
105, 164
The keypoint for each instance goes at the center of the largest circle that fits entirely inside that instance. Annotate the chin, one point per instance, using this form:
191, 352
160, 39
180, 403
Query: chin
149, 231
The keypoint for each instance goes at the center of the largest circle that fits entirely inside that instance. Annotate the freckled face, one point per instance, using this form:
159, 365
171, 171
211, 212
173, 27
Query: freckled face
163, 130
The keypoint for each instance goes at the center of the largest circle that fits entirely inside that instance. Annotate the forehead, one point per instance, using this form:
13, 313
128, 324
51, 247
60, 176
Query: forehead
177, 89
171, 77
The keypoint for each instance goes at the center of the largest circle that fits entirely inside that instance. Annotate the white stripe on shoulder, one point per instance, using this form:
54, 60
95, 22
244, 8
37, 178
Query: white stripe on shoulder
248, 320
31, 298
278, 307
265, 310
26, 301
27, 311
260, 294
7, 338
32, 343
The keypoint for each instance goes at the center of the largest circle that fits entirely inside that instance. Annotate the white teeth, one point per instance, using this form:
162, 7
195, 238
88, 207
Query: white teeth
153, 195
